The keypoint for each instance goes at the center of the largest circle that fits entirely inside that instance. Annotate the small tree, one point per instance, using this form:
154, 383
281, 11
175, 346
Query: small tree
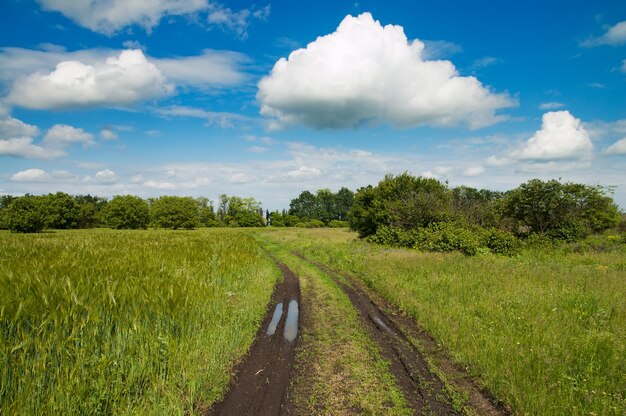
26, 214
61, 211
174, 212
126, 212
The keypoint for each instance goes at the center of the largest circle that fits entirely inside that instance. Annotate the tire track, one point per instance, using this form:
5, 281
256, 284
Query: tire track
262, 378
423, 390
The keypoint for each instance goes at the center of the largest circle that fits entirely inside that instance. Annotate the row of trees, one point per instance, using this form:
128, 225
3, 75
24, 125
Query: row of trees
407, 210
62, 211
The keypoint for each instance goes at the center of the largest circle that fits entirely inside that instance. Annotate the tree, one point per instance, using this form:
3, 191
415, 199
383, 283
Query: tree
61, 211
477, 206
26, 214
127, 212
174, 212
304, 206
402, 201
89, 210
343, 202
206, 214
240, 212
563, 210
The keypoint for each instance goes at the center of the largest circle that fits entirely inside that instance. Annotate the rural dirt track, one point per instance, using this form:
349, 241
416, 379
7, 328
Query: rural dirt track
261, 380
423, 390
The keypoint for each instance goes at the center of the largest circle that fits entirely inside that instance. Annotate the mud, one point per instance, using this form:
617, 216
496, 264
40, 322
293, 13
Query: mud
423, 390
261, 379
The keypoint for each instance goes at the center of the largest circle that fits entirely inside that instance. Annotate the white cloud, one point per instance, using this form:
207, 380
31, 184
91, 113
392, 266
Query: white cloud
240, 178
12, 127
31, 175
474, 171
614, 36
365, 73
562, 136
108, 134
440, 49
119, 80
61, 135
236, 22
257, 149
211, 68
497, 161
106, 176
160, 185
552, 105
24, 147
485, 62
110, 16
617, 148
223, 119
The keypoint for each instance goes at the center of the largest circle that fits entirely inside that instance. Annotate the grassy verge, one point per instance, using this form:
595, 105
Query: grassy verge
109, 322
544, 331
339, 369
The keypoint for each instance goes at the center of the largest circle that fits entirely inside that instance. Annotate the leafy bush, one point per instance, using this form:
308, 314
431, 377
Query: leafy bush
174, 212
394, 236
26, 214
501, 242
126, 212
316, 224
338, 224
449, 236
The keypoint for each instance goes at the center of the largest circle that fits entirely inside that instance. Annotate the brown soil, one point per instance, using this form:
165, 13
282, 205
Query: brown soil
423, 390
262, 378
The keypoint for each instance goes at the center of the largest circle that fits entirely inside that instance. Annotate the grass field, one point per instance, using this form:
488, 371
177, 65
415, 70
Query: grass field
152, 322
136, 322
544, 332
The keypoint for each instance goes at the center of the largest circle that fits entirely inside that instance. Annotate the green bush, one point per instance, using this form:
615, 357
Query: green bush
26, 214
449, 236
501, 242
338, 224
316, 224
127, 212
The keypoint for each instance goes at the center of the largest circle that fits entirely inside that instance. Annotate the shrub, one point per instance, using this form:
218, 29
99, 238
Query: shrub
501, 242
174, 212
26, 214
127, 212
338, 224
315, 224
448, 236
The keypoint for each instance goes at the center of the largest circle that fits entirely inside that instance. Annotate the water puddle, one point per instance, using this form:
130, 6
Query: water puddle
291, 325
278, 312
379, 323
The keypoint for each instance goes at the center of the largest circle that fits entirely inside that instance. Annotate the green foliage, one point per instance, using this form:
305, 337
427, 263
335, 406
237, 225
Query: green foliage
240, 212
449, 236
338, 224
26, 214
61, 211
501, 242
564, 211
400, 201
174, 212
127, 212
324, 206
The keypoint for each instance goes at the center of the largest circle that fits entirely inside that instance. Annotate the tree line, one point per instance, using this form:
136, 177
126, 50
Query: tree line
31, 213
401, 210
427, 214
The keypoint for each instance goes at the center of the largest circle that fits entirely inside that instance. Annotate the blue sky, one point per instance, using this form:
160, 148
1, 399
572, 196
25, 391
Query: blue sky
195, 97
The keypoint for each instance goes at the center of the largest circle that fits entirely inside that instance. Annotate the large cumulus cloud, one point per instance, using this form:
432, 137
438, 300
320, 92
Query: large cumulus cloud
119, 80
366, 73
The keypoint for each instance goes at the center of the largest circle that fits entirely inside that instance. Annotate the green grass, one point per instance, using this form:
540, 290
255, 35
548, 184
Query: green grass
135, 322
340, 370
544, 331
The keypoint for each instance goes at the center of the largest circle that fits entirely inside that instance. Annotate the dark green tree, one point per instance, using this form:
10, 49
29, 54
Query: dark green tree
61, 211
402, 201
174, 212
126, 212
26, 214
304, 206
565, 211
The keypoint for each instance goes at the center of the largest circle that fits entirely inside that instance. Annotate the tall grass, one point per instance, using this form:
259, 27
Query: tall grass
109, 322
545, 331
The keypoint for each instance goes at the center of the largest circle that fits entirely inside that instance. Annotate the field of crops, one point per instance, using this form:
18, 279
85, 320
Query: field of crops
543, 331
139, 322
